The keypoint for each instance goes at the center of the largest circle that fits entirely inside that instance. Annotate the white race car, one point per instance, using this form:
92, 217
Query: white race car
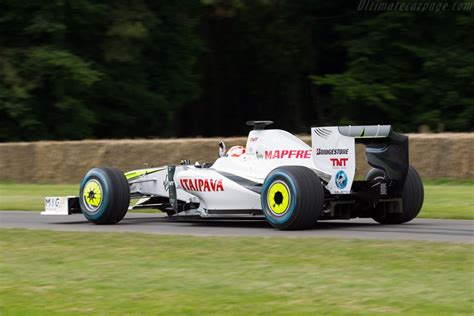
276, 176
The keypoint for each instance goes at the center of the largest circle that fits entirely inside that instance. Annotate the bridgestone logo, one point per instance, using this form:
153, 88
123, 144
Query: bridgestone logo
336, 151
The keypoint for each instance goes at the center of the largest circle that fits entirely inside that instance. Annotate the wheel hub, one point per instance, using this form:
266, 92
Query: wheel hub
92, 195
278, 198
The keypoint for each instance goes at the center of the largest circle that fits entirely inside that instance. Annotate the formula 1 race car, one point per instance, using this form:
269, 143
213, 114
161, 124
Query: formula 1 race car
276, 176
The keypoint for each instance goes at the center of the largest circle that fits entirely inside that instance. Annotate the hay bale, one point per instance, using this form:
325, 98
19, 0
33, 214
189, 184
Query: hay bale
17, 162
436, 156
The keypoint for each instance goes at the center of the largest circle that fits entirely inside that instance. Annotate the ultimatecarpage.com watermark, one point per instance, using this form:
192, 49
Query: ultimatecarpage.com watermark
377, 5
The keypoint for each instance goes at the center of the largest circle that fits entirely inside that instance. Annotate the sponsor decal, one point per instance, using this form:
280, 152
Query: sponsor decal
341, 179
281, 154
253, 139
334, 151
52, 202
202, 185
339, 162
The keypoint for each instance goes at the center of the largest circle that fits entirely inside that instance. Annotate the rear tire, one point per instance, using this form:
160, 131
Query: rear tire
412, 199
104, 195
292, 197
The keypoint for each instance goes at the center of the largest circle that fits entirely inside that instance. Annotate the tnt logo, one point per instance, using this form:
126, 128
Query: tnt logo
339, 162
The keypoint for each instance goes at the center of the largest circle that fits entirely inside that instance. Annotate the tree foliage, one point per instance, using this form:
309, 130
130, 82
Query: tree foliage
109, 69
410, 68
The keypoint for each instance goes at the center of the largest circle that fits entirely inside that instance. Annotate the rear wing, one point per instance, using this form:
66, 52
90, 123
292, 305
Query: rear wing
334, 154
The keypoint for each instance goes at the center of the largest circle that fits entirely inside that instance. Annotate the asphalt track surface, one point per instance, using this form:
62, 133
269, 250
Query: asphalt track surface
458, 231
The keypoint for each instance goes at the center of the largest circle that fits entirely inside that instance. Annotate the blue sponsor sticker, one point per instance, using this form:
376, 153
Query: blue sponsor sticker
341, 179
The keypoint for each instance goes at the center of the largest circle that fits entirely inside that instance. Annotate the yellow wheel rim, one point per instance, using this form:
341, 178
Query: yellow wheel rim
92, 194
278, 198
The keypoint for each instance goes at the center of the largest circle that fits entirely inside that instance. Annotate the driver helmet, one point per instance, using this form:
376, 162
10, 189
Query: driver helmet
236, 151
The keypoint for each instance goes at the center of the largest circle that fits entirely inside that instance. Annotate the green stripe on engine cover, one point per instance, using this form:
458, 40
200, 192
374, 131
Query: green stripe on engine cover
138, 173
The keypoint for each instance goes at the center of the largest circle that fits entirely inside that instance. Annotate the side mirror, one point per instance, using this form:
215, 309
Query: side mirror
221, 149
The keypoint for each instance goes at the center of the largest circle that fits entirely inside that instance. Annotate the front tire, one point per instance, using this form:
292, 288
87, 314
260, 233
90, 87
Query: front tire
104, 195
292, 197
412, 199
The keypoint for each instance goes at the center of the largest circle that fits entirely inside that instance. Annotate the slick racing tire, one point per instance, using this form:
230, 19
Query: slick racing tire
104, 195
412, 198
292, 197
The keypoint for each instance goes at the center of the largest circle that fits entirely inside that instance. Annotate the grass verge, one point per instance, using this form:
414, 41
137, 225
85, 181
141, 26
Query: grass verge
30, 197
448, 200
45, 272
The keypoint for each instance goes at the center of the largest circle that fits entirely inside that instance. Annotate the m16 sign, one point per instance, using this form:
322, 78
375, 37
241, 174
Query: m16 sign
63, 205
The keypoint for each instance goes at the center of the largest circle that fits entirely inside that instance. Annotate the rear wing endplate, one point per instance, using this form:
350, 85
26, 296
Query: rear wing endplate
334, 153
